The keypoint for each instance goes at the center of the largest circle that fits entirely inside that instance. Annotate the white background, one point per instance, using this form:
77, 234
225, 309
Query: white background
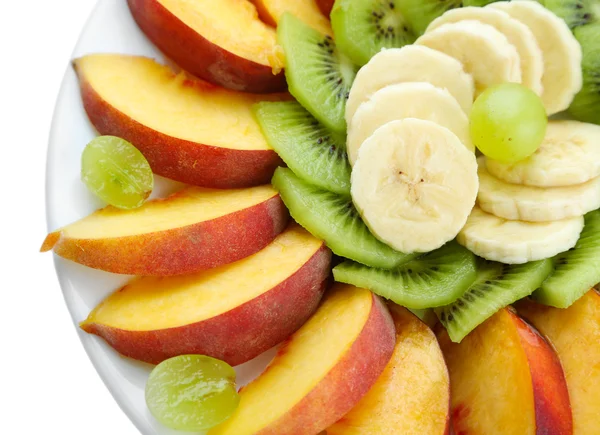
48, 384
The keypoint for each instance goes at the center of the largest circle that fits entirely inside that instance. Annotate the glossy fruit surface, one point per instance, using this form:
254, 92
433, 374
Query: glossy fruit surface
192, 392
508, 122
117, 172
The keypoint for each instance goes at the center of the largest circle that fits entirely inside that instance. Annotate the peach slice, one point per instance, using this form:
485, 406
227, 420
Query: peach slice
415, 379
321, 372
575, 334
192, 230
188, 130
222, 41
506, 379
325, 6
233, 312
270, 11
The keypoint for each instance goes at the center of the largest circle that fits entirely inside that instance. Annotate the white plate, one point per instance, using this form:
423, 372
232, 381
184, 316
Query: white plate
110, 29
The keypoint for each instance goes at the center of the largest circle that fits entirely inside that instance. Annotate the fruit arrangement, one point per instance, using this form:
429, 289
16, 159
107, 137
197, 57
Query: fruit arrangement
401, 197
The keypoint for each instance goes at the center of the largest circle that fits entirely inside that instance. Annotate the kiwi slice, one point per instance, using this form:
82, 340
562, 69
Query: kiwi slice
586, 105
434, 279
478, 3
575, 12
318, 75
576, 270
363, 27
333, 218
315, 153
419, 13
497, 285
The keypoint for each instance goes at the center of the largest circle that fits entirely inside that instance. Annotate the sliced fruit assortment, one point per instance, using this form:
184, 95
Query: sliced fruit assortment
192, 230
575, 334
224, 277
415, 378
362, 28
233, 312
319, 76
543, 196
496, 286
334, 218
414, 183
434, 279
177, 122
333, 360
222, 42
507, 379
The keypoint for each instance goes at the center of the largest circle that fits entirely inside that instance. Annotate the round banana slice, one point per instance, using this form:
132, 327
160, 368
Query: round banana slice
411, 63
562, 77
407, 100
484, 52
535, 204
517, 242
414, 184
517, 33
569, 155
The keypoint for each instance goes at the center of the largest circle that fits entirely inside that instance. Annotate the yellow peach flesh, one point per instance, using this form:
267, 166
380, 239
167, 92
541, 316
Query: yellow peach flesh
205, 114
191, 206
152, 303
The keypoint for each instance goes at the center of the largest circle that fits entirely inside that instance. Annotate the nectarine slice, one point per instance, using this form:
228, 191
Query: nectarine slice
506, 379
192, 230
575, 334
270, 11
188, 130
233, 312
221, 41
415, 380
321, 372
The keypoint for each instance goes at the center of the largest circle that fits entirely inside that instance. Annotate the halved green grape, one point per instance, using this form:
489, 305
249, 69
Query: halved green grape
192, 392
116, 172
508, 122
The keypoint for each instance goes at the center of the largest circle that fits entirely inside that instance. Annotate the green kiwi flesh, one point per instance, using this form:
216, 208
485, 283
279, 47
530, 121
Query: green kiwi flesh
576, 270
434, 279
318, 75
315, 153
586, 105
419, 13
497, 285
575, 12
363, 27
333, 218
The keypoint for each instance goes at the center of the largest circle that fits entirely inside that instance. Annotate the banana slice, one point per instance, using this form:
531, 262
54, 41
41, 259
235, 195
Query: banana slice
562, 77
414, 184
517, 33
411, 63
484, 52
569, 155
406, 100
536, 204
517, 242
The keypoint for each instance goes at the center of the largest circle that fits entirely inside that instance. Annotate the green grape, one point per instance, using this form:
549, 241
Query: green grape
192, 392
508, 122
116, 172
